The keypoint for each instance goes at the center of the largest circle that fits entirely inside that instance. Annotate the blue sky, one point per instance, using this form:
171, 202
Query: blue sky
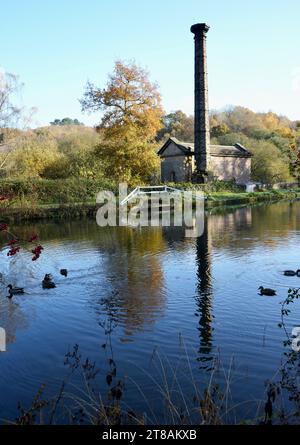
55, 46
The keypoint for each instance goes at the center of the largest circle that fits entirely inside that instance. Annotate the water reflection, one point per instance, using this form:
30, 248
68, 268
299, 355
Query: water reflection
151, 282
12, 319
131, 271
135, 279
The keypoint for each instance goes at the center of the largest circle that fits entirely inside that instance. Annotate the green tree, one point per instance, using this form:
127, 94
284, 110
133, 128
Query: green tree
177, 124
65, 121
268, 164
294, 155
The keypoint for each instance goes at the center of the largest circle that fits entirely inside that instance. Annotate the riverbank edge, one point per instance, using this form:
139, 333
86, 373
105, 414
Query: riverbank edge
230, 198
89, 210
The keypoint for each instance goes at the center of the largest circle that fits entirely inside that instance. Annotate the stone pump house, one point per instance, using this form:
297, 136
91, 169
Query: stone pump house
181, 161
226, 163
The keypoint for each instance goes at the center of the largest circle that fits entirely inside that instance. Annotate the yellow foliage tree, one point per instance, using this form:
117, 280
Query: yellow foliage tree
131, 162
132, 117
131, 104
31, 155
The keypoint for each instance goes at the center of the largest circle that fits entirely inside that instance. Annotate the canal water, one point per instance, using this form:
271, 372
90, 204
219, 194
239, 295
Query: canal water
184, 313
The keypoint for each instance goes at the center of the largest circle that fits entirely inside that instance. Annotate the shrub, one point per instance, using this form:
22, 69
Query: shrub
45, 191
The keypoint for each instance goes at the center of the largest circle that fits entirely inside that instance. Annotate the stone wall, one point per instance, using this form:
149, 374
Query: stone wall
229, 168
179, 168
176, 169
285, 185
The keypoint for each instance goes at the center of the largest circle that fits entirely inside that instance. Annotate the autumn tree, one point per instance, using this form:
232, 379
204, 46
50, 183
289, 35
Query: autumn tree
130, 101
133, 162
77, 147
219, 130
132, 109
32, 153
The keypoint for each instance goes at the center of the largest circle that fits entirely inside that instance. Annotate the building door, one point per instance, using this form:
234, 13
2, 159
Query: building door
173, 177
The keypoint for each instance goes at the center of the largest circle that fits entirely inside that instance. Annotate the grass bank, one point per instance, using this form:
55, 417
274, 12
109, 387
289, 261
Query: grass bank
232, 198
73, 198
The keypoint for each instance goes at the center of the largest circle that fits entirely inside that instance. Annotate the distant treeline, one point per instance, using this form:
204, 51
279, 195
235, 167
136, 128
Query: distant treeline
66, 151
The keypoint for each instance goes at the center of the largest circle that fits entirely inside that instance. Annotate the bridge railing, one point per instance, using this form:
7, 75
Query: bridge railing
139, 191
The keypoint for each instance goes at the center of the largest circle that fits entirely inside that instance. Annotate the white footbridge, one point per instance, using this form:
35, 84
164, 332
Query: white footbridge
139, 192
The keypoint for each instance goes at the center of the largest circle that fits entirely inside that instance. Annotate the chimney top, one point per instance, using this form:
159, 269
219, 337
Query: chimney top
200, 28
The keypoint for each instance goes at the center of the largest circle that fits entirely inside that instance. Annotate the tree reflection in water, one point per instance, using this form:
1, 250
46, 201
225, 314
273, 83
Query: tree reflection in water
135, 285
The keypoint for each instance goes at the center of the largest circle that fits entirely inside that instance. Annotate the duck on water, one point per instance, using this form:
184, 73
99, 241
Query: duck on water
267, 292
292, 273
14, 291
47, 282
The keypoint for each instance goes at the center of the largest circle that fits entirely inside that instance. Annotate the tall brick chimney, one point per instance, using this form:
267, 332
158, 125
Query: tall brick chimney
202, 135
